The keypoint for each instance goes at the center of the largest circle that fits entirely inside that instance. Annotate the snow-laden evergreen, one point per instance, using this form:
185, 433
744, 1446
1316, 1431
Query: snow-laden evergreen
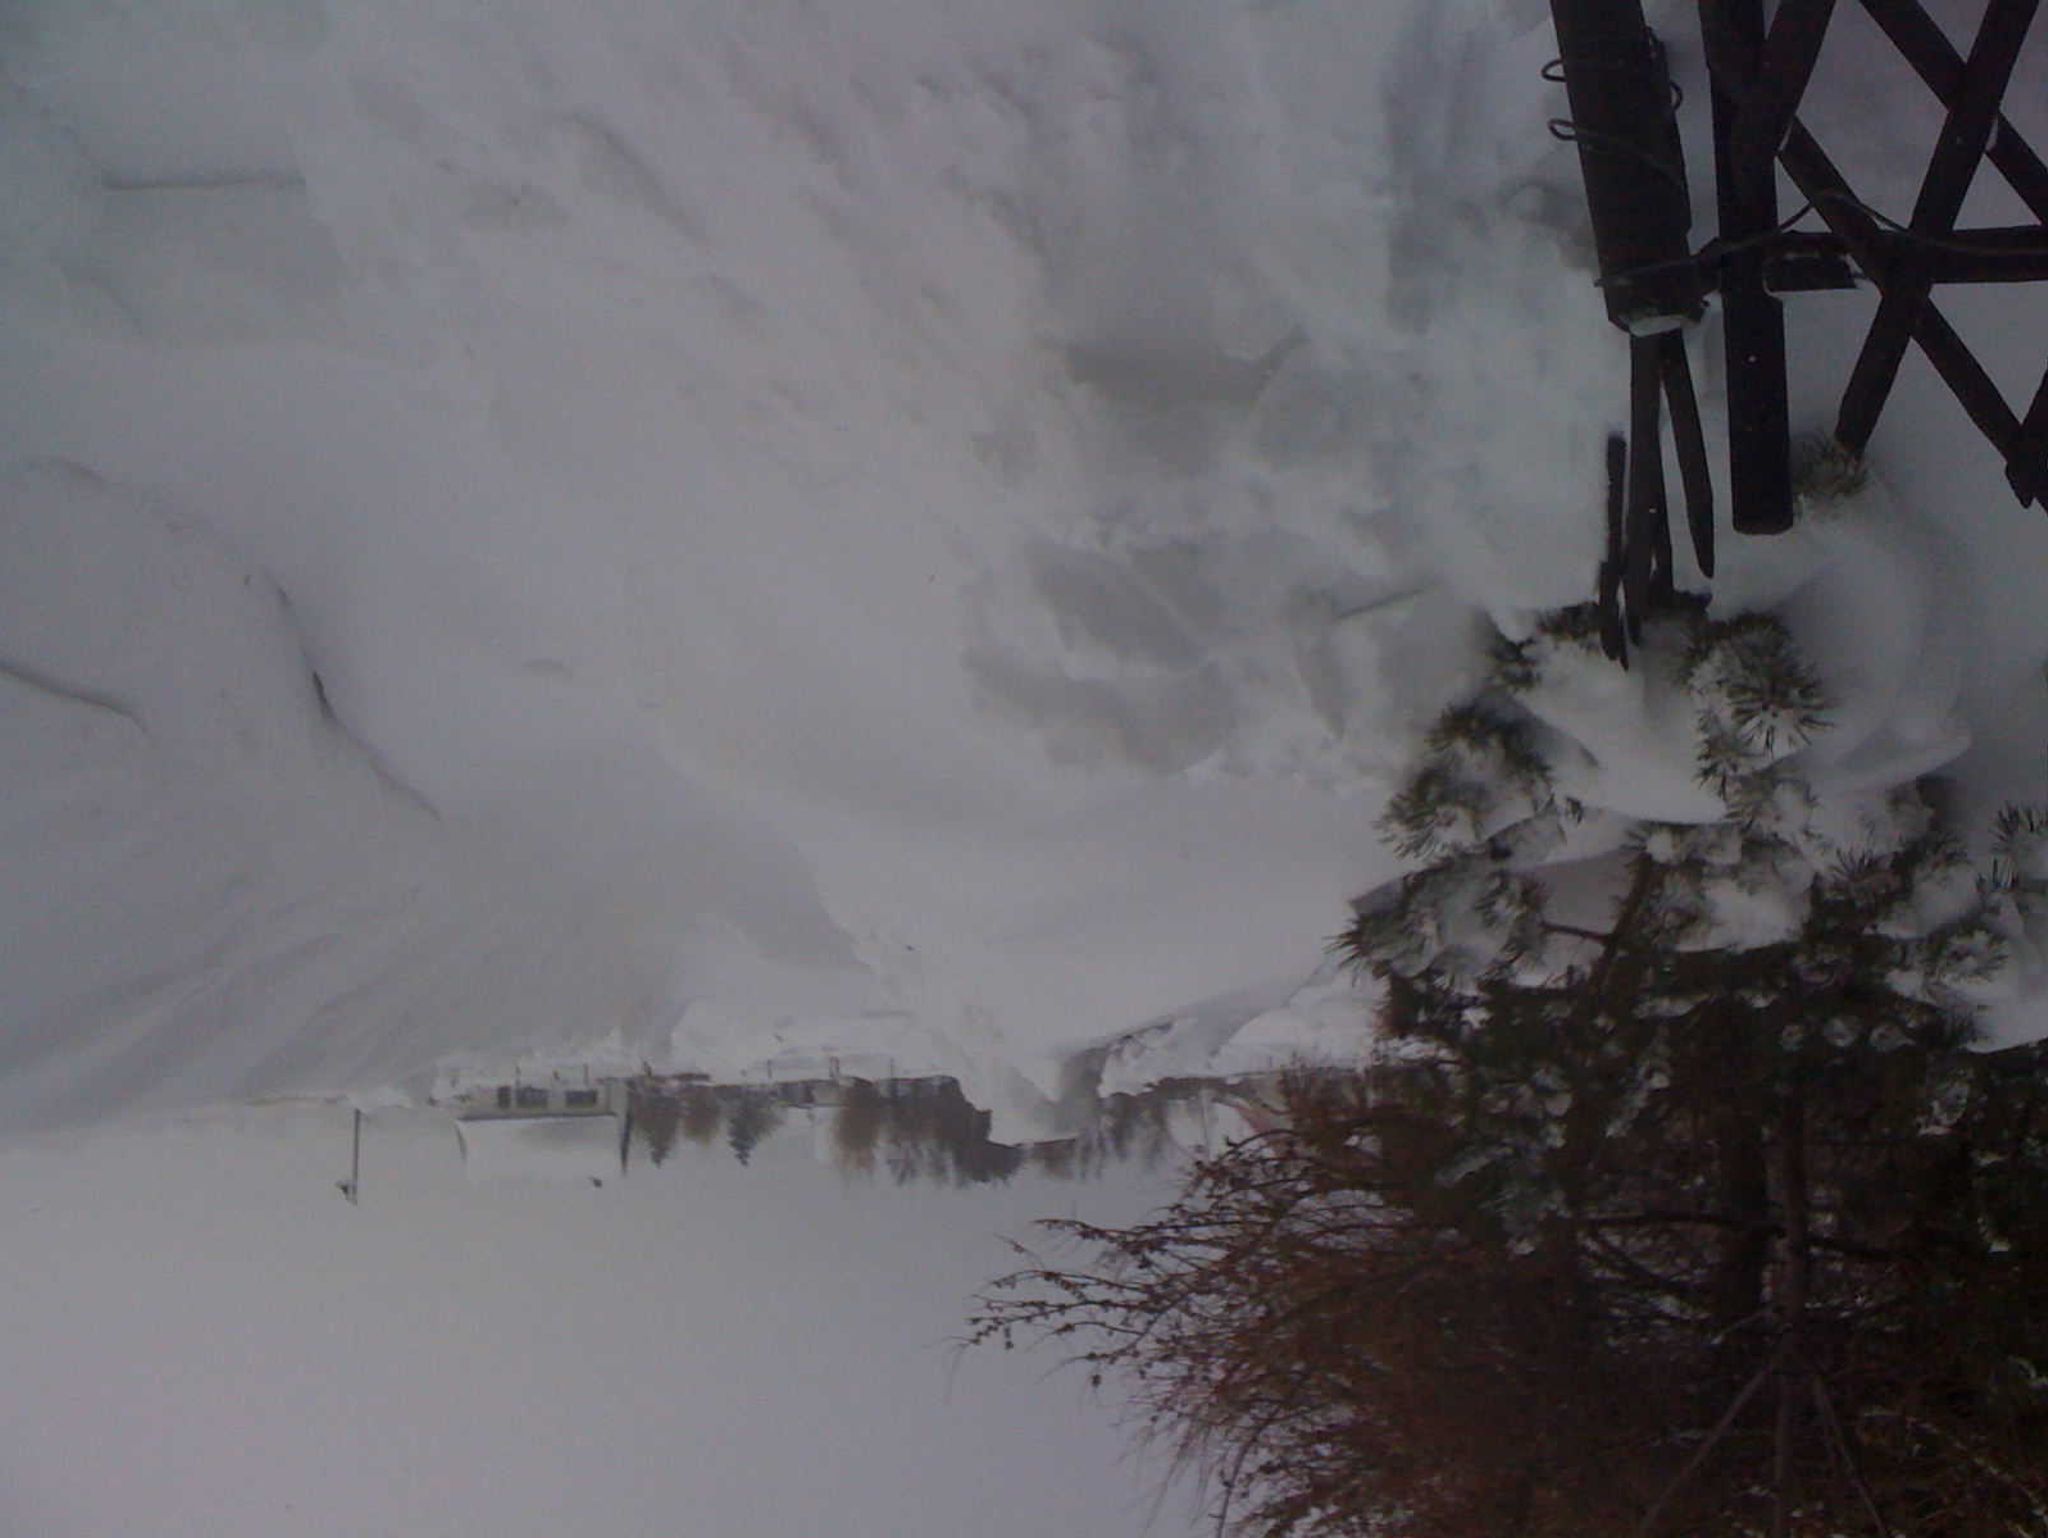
1494, 810
1545, 946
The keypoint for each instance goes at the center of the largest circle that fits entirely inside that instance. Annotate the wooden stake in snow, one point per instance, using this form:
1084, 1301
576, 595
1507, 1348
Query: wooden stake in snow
352, 1187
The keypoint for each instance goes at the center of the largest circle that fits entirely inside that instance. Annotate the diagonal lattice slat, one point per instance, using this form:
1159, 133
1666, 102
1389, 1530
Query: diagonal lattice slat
1625, 122
1921, 42
1964, 139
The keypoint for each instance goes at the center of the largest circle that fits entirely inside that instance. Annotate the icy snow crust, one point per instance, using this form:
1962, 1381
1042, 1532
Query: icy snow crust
740, 530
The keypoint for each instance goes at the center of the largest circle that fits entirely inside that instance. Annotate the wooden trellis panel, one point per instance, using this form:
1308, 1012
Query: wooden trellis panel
1624, 119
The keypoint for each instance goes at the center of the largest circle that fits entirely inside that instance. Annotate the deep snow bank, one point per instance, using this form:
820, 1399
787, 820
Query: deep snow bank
932, 520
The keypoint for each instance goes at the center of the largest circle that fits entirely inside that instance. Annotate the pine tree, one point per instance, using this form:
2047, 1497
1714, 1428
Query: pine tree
750, 1116
702, 1114
1682, 1104
1675, 1199
857, 1129
657, 1114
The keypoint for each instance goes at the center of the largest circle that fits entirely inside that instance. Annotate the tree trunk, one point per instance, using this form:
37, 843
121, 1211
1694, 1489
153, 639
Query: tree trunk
1744, 1191
1794, 1371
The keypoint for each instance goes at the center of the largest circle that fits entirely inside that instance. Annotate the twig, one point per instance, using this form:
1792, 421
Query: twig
1838, 1437
1706, 1448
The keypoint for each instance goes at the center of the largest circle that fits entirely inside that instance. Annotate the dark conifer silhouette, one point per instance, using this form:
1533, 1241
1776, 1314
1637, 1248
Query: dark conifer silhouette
702, 1114
750, 1115
657, 1117
857, 1127
1702, 1217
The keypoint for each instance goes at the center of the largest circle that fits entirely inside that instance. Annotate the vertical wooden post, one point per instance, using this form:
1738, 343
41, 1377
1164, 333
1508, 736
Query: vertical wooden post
1690, 439
1621, 118
1794, 1371
1613, 628
1645, 563
1752, 324
351, 1188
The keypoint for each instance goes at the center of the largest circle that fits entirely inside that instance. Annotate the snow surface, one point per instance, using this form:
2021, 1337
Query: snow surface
211, 1343
574, 1150
753, 530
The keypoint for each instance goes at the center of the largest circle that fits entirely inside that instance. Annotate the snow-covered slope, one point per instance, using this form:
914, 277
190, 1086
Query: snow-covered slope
927, 517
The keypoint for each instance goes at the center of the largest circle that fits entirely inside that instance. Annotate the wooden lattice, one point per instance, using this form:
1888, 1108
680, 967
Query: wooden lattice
1623, 115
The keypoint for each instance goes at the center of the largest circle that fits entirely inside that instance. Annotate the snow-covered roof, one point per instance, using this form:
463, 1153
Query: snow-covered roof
552, 1149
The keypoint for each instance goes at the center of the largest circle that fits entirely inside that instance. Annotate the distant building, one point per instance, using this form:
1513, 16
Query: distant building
811, 1094
559, 1094
566, 1129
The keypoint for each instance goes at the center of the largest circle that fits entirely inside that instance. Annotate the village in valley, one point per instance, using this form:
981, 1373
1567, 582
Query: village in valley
579, 1124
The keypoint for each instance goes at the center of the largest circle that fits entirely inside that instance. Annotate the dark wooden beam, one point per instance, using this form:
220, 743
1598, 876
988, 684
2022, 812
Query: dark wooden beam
1926, 47
2002, 254
1964, 138
1690, 439
1644, 578
1807, 261
1623, 122
1753, 325
2026, 461
1818, 180
1784, 65
1613, 633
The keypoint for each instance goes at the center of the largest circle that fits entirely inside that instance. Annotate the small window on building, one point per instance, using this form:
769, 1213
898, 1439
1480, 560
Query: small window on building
580, 1099
532, 1098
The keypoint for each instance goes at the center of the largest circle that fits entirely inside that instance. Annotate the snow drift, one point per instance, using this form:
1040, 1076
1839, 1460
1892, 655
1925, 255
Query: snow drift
697, 527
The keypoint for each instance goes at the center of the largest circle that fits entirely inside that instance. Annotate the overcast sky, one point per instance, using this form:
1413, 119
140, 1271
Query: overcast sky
203, 1338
